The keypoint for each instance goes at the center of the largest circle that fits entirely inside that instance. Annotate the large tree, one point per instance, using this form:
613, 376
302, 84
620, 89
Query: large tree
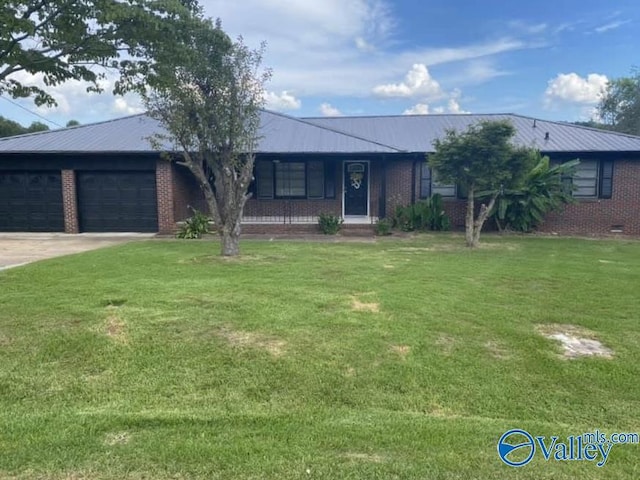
619, 108
9, 128
208, 98
481, 161
67, 39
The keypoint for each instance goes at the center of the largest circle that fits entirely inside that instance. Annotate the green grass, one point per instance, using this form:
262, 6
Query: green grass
160, 360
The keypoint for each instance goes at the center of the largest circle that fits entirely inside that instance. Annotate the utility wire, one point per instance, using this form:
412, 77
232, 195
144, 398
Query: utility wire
31, 112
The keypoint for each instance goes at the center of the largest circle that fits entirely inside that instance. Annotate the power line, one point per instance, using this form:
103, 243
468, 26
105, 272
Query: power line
31, 112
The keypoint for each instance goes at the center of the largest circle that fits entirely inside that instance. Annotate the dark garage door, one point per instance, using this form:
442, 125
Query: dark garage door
31, 202
117, 201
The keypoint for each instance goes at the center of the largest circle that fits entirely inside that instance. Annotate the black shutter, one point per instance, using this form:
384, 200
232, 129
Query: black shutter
264, 179
329, 180
315, 179
425, 180
606, 178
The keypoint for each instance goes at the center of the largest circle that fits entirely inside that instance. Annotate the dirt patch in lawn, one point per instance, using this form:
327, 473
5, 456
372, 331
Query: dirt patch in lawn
117, 438
115, 328
358, 305
240, 339
497, 350
365, 457
446, 343
576, 341
401, 350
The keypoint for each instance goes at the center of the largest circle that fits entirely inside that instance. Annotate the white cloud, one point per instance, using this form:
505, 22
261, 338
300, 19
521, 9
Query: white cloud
417, 83
417, 109
528, 28
337, 48
572, 88
453, 106
127, 105
611, 26
281, 102
328, 110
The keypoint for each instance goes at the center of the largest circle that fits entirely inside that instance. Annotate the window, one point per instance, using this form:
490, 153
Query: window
593, 179
314, 179
585, 179
429, 184
290, 179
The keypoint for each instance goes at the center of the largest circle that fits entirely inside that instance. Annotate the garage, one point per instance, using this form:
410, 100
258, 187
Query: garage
117, 201
31, 201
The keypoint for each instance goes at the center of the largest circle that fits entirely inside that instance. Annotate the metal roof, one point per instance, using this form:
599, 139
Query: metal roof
285, 134
278, 134
416, 133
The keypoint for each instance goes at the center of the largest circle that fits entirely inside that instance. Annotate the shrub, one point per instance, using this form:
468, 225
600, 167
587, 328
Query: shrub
423, 215
383, 227
523, 208
194, 226
329, 224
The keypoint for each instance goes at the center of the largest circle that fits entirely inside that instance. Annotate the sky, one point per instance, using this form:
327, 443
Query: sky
546, 59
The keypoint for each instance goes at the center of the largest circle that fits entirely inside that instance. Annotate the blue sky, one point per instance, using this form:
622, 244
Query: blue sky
548, 59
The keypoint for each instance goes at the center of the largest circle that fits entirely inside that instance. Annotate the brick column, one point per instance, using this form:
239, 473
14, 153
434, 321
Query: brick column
70, 201
164, 186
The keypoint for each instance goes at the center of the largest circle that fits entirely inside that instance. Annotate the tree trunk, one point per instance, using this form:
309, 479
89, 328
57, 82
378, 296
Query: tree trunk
230, 240
468, 222
482, 217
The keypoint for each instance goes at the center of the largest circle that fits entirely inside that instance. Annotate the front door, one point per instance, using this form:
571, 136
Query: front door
356, 188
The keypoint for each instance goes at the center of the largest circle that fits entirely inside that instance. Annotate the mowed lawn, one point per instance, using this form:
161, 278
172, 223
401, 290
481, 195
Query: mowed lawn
399, 359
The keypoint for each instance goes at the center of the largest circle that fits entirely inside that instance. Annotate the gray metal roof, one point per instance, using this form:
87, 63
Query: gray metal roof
279, 134
285, 134
416, 133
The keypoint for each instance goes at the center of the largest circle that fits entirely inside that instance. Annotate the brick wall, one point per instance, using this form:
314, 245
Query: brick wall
399, 175
70, 201
186, 193
164, 186
599, 216
586, 217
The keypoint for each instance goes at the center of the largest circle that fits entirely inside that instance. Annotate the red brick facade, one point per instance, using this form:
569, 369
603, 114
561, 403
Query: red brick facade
164, 187
620, 214
586, 217
70, 201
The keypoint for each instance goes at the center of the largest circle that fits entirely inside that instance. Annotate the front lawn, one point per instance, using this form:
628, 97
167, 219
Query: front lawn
396, 359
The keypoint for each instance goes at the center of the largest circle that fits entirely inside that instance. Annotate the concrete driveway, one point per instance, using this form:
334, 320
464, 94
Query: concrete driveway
21, 248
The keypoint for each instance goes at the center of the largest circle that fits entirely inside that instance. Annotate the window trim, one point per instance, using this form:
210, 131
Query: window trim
328, 179
605, 169
430, 178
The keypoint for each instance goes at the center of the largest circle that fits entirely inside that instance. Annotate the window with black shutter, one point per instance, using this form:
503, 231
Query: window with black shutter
425, 181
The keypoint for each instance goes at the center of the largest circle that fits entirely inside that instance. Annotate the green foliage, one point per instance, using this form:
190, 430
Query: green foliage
383, 227
619, 107
481, 159
329, 224
72, 123
523, 208
423, 215
194, 226
207, 94
8, 128
65, 40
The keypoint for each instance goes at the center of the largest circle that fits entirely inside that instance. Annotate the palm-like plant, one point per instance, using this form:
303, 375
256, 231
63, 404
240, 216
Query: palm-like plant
542, 190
